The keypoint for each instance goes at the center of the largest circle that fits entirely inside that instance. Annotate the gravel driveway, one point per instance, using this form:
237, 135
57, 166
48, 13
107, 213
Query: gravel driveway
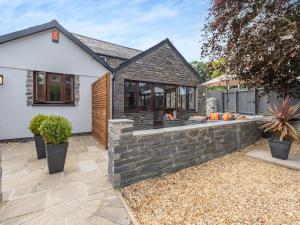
234, 189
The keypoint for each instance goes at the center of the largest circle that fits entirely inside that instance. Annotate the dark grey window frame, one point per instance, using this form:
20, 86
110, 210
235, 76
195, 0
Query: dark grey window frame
151, 109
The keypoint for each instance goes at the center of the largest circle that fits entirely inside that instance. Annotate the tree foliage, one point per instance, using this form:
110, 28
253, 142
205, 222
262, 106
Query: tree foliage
217, 68
202, 69
260, 40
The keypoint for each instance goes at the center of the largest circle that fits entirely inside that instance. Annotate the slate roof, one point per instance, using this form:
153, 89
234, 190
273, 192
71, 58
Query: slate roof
108, 49
95, 47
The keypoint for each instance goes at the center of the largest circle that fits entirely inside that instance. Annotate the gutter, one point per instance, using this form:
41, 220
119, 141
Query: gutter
112, 94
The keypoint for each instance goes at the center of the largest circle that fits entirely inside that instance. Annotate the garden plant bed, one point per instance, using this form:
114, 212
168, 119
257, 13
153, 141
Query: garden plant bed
234, 189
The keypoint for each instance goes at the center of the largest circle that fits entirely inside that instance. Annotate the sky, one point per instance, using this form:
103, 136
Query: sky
138, 24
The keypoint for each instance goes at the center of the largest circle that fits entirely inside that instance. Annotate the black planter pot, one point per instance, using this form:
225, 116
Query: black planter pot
56, 157
279, 149
267, 135
40, 147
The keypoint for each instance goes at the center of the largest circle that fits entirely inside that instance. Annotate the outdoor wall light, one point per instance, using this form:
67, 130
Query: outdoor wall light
1, 79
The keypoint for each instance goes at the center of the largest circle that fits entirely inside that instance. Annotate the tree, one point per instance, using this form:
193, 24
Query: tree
260, 40
202, 70
217, 68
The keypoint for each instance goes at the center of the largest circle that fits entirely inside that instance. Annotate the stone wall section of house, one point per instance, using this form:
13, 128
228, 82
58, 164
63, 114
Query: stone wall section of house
142, 120
162, 65
114, 62
201, 100
29, 88
139, 155
76, 89
185, 115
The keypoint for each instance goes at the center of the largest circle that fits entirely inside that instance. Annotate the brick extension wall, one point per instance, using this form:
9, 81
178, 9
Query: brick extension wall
138, 155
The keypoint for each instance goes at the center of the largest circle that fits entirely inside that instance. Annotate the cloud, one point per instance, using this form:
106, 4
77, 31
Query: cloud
136, 23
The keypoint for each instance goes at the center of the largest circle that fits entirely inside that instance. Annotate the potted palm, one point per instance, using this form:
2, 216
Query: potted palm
34, 126
282, 131
55, 131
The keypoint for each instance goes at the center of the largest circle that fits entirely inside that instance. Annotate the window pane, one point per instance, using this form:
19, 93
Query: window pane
130, 95
55, 92
55, 77
191, 98
173, 99
170, 97
182, 98
168, 100
40, 80
69, 88
159, 98
145, 96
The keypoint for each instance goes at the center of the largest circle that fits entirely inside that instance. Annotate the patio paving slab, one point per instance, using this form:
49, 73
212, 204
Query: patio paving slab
293, 162
81, 195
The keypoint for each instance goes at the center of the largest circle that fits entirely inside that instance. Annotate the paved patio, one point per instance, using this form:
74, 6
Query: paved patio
81, 195
293, 162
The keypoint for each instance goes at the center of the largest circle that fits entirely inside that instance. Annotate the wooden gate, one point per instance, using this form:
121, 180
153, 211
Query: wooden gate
101, 108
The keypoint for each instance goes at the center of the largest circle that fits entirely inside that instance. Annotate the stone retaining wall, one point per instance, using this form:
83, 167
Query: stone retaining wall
138, 155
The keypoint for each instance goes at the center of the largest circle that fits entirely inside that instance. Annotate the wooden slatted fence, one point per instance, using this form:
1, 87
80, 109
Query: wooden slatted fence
101, 108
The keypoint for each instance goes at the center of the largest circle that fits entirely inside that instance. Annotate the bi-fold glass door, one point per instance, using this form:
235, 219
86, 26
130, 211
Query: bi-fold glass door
159, 105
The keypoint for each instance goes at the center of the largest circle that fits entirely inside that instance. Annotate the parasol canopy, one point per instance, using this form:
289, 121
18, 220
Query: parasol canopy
223, 81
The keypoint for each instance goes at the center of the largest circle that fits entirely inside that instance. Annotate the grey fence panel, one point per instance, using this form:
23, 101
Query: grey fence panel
262, 102
246, 101
229, 100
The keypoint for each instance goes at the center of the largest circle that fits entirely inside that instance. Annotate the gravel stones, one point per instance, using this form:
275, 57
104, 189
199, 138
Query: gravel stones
234, 189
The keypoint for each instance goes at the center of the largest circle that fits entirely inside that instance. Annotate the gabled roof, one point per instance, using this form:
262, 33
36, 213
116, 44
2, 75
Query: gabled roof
166, 41
51, 25
108, 49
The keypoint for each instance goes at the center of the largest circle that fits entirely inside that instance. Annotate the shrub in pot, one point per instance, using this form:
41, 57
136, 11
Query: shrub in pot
34, 126
55, 131
282, 131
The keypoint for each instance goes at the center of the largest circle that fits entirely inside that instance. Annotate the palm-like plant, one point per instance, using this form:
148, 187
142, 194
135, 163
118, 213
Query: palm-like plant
279, 125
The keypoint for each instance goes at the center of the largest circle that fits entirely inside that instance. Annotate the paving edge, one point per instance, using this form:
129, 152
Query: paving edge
273, 162
129, 211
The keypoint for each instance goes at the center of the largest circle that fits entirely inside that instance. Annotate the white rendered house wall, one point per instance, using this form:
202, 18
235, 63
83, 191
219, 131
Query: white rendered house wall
38, 52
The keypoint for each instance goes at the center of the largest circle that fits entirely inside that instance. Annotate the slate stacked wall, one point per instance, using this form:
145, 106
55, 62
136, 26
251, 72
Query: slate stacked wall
162, 65
138, 155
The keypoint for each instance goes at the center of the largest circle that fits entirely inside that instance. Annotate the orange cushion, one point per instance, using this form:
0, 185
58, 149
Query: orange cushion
226, 116
214, 116
170, 117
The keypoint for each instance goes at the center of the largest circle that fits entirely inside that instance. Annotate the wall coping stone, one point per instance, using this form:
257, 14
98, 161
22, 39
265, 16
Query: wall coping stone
189, 127
120, 121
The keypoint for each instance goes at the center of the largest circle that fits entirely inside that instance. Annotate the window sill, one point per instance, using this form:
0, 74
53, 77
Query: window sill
52, 104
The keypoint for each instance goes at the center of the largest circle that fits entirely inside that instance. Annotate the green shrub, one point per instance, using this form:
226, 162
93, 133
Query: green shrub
35, 123
56, 129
